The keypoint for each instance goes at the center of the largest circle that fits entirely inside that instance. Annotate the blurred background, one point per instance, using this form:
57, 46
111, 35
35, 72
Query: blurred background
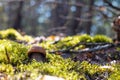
56, 17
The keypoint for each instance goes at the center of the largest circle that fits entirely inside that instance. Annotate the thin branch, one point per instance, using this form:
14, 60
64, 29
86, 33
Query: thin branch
67, 3
57, 28
111, 5
8, 58
97, 48
10, 0
87, 44
75, 18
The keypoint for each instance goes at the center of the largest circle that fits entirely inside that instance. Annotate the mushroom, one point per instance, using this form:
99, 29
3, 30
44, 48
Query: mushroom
38, 53
116, 27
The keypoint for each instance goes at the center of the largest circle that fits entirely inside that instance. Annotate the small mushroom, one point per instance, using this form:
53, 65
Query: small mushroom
116, 27
38, 53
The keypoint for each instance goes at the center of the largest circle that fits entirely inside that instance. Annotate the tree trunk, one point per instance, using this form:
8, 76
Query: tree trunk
88, 24
72, 23
15, 14
18, 20
57, 22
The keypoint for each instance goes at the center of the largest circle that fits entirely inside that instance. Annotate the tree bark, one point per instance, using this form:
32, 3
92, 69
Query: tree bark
18, 20
56, 20
72, 24
88, 24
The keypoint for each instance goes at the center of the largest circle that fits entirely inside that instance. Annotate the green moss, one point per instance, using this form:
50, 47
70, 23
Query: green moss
27, 38
85, 38
101, 38
115, 75
20, 67
7, 69
70, 41
16, 52
12, 34
56, 66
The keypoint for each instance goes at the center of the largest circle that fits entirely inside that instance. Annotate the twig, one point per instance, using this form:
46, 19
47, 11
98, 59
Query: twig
75, 18
8, 58
97, 48
10, 0
87, 44
111, 5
